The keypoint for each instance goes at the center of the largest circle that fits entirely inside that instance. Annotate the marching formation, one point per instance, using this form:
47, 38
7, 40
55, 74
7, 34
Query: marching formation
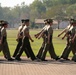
24, 37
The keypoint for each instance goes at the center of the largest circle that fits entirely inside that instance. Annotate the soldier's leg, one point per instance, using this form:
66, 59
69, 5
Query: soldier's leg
26, 52
73, 51
68, 50
64, 51
18, 47
45, 51
74, 48
74, 57
52, 52
41, 50
6, 50
22, 48
30, 51
19, 53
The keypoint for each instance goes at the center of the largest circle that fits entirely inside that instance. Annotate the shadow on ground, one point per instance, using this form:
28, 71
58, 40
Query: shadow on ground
28, 61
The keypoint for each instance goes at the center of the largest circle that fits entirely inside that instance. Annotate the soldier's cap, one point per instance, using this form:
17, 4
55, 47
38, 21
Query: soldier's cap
4, 23
74, 22
45, 21
1, 22
25, 20
71, 20
49, 20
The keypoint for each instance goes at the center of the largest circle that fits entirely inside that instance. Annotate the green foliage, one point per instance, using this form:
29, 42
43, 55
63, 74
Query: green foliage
39, 9
71, 10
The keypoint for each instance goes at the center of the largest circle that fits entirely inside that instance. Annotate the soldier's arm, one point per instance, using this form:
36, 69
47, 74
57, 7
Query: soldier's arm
30, 38
2, 36
74, 38
50, 32
65, 35
61, 32
41, 34
38, 34
18, 35
26, 31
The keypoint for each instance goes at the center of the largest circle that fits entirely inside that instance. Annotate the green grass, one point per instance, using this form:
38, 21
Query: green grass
58, 43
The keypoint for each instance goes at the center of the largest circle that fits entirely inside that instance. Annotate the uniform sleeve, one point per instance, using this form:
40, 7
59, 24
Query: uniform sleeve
75, 31
26, 31
44, 28
50, 31
3, 32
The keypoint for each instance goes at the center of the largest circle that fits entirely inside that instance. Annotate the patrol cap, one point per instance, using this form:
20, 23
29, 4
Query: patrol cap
25, 20
71, 20
4, 23
1, 22
45, 21
49, 20
74, 22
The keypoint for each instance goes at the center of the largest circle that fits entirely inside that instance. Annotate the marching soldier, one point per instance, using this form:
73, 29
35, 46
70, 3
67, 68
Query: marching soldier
0, 34
19, 38
67, 34
1, 21
43, 35
25, 42
49, 45
72, 43
4, 44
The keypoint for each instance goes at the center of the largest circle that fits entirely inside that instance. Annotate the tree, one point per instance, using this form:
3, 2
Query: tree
25, 11
37, 8
71, 10
1, 13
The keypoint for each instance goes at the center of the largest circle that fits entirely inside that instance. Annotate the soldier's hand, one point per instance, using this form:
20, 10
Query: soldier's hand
35, 36
38, 37
17, 40
32, 40
62, 38
58, 35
